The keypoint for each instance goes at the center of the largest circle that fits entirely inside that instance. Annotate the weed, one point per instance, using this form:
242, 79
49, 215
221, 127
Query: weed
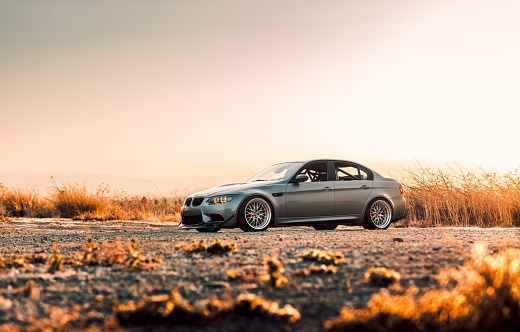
89, 255
274, 272
324, 257
115, 253
12, 261
4, 218
252, 305
217, 247
382, 277
137, 260
56, 261
482, 295
172, 309
325, 269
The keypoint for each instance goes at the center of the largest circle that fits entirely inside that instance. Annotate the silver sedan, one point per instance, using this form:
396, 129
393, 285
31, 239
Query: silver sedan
319, 193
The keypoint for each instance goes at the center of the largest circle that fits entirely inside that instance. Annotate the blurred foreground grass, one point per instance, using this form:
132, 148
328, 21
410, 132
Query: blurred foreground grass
482, 295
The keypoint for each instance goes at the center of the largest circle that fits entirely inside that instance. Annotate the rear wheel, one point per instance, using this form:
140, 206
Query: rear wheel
378, 215
254, 215
325, 227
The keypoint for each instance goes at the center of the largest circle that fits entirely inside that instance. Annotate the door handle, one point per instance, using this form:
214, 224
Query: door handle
327, 188
365, 187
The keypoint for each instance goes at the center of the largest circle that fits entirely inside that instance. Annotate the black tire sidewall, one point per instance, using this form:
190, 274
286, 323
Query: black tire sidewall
367, 222
242, 223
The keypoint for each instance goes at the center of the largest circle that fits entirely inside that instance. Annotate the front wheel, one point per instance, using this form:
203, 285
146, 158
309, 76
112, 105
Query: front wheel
378, 215
325, 227
254, 215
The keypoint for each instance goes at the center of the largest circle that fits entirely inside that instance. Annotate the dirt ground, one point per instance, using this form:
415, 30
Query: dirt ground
84, 297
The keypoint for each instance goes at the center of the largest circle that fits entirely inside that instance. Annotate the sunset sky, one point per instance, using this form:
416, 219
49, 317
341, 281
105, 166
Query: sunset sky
157, 89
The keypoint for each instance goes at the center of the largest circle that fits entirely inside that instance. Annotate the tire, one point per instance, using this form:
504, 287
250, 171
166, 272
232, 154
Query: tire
378, 215
207, 230
325, 227
255, 214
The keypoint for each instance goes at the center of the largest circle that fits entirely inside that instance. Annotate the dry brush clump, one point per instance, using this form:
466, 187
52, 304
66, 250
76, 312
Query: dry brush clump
483, 295
275, 271
78, 202
18, 261
382, 277
173, 310
272, 273
324, 257
23, 203
115, 253
217, 247
461, 197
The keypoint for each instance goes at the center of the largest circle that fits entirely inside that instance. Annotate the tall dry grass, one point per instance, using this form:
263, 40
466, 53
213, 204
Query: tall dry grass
457, 197
461, 197
77, 202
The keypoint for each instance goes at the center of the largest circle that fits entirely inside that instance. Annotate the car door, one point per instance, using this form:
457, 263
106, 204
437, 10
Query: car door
351, 189
313, 198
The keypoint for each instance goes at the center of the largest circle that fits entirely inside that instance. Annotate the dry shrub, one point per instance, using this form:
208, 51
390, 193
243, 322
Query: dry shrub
56, 261
382, 277
174, 310
322, 269
74, 201
111, 254
17, 261
217, 247
461, 197
24, 203
275, 270
271, 274
324, 257
77, 202
483, 295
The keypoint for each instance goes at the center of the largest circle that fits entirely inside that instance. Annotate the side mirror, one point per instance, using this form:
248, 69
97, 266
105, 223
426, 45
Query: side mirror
300, 178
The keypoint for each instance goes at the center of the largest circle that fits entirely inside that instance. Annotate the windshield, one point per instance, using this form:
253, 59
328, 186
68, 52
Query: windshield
276, 172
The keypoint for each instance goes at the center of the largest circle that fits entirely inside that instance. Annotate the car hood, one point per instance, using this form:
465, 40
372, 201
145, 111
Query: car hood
231, 188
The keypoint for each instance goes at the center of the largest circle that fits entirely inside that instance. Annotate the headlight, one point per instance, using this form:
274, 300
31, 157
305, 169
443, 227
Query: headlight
221, 199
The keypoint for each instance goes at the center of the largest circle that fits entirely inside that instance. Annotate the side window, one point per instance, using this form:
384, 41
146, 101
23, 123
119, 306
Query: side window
363, 174
346, 172
317, 172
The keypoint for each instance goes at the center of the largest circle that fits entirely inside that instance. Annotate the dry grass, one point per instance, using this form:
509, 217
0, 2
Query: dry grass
461, 197
115, 253
382, 277
217, 247
275, 271
324, 257
458, 197
173, 310
77, 202
483, 295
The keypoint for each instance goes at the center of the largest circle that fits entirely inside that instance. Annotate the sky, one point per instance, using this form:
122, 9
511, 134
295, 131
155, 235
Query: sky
203, 88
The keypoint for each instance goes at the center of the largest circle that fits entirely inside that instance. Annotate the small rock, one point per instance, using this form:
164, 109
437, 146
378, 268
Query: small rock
398, 239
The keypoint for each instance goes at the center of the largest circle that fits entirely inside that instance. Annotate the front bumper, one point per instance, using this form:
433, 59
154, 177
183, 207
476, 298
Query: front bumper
209, 216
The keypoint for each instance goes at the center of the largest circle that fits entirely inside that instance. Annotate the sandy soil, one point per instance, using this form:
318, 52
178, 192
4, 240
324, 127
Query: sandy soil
81, 297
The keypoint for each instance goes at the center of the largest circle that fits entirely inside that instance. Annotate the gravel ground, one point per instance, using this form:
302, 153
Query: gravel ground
82, 297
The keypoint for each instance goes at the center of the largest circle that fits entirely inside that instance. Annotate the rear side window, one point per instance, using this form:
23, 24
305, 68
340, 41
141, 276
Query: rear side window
351, 172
